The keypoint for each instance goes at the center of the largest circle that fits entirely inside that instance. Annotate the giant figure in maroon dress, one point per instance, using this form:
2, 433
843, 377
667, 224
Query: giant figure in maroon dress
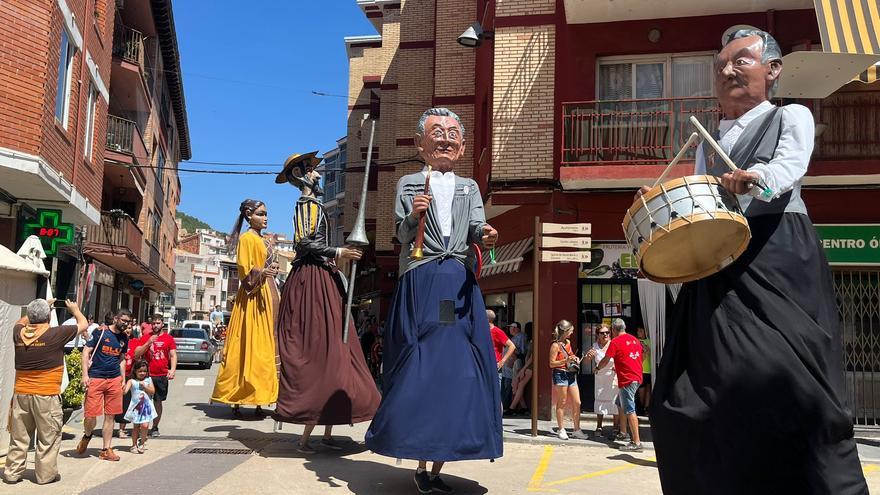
323, 380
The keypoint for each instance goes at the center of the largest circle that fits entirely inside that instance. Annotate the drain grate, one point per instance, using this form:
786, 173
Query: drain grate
221, 451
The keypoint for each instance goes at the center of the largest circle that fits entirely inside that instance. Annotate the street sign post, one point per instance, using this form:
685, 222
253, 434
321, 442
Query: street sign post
577, 239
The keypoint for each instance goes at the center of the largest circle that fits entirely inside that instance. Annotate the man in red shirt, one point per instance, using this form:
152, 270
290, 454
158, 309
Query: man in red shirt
626, 350
160, 350
504, 348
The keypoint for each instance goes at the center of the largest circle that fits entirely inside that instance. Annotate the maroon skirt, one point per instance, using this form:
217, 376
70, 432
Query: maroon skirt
322, 380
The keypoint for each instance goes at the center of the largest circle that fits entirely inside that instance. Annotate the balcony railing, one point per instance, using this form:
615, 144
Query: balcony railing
121, 134
653, 131
128, 44
116, 229
632, 131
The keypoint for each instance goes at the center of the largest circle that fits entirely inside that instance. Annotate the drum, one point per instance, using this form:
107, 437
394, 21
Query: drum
686, 229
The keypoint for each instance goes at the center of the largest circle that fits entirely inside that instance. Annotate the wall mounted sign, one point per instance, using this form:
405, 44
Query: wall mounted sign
51, 231
850, 244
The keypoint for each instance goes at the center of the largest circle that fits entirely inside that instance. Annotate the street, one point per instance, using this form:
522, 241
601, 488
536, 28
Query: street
203, 450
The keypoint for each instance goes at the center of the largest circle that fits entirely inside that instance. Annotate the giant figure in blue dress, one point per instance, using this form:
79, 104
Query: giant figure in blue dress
441, 399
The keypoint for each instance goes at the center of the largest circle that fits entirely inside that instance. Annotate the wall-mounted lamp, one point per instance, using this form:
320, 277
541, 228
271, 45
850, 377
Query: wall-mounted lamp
474, 35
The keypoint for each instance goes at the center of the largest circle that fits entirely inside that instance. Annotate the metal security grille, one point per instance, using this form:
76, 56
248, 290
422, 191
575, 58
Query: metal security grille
221, 451
858, 294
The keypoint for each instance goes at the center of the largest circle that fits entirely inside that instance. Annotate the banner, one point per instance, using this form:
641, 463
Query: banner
610, 261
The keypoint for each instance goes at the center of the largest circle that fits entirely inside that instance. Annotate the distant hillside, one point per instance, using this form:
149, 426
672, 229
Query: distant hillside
190, 224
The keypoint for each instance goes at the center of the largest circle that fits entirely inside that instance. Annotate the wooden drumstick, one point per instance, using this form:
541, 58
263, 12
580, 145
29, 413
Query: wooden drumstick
417, 252
765, 191
677, 158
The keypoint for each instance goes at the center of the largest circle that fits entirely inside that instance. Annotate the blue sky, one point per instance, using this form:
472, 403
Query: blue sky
248, 70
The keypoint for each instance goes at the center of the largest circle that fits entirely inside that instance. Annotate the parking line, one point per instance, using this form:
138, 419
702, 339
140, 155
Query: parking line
538, 476
591, 475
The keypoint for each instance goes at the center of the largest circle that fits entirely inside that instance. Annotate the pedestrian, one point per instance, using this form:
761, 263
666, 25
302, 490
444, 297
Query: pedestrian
141, 409
103, 364
606, 389
160, 351
324, 380
437, 344
645, 388
81, 338
504, 349
565, 366
626, 351
36, 400
216, 317
523, 376
145, 329
133, 343
248, 374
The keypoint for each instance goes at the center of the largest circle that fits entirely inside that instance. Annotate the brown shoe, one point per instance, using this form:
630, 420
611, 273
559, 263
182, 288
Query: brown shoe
108, 455
83, 445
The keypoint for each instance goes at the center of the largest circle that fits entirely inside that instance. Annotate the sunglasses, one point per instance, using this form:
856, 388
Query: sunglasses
604, 333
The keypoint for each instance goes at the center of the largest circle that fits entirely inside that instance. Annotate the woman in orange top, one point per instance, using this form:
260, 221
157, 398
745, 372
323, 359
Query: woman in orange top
564, 362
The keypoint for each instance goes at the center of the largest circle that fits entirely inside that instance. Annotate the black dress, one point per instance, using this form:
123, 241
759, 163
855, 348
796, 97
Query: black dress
749, 396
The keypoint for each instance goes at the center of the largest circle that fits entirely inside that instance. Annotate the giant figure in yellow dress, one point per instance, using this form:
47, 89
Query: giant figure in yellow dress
247, 373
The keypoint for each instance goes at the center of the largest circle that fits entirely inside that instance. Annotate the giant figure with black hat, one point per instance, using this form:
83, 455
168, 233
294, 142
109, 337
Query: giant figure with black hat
749, 395
323, 380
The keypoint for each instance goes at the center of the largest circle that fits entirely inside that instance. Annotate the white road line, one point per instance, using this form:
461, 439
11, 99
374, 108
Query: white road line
195, 382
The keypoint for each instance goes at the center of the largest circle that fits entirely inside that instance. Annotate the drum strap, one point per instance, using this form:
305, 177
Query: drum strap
759, 135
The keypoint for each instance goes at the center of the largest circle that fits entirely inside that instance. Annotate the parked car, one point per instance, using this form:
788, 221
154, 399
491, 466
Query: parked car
194, 343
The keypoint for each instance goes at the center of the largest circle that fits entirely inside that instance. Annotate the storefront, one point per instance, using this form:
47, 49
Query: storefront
853, 251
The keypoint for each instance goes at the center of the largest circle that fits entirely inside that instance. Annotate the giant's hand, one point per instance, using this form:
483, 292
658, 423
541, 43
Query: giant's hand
641, 192
739, 181
420, 204
490, 236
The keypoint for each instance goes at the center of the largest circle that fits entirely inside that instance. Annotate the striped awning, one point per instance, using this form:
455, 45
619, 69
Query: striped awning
508, 258
851, 26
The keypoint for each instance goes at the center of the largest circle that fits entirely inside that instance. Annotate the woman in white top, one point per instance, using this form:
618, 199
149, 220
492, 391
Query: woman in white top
606, 380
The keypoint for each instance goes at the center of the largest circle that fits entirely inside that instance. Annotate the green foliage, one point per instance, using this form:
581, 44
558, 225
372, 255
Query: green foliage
75, 394
190, 224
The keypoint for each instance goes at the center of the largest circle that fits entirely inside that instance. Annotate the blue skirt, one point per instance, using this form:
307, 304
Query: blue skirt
441, 400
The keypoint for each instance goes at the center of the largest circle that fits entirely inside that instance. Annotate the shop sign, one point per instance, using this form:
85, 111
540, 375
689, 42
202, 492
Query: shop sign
851, 244
104, 275
51, 231
610, 261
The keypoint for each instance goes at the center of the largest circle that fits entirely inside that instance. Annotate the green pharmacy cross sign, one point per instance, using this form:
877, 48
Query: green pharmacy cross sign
50, 230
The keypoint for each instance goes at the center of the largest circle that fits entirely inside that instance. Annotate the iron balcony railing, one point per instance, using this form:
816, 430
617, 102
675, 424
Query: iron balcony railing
128, 44
116, 229
631, 131
121, 134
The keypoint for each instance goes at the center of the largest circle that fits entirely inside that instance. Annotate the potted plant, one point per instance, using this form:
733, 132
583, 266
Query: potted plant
73, 397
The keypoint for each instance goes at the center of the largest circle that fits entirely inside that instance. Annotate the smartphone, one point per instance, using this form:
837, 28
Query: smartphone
60, 304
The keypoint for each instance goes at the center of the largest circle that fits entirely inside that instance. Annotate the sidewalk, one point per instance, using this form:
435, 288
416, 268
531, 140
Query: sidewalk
518, 429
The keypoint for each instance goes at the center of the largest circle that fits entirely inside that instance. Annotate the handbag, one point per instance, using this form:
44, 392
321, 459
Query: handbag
572, 366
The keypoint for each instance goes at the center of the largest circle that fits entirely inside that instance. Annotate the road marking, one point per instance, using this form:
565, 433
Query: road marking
194, 381
591, 475
538, 477
869, 468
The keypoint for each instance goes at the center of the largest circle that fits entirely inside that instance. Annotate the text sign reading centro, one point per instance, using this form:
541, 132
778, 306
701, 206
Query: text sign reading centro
850, 244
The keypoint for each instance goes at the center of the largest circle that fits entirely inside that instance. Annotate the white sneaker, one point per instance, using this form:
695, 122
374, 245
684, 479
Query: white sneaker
563, 435
580, 435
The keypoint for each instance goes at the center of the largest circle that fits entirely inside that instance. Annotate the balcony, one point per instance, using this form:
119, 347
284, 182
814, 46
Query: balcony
649, 131
117, 230
128, 45
847, 126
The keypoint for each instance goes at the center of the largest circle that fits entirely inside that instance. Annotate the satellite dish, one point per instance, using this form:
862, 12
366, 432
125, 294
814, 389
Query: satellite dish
732, 29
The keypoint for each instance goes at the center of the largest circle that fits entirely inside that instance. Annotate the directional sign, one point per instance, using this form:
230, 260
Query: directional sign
566, 228
576, 256
566, 242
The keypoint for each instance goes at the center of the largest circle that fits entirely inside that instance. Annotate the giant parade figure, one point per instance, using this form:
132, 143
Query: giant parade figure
441, 399
324, 380
749, 396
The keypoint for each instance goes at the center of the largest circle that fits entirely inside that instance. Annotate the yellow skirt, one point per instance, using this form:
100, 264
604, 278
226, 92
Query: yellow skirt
248, 373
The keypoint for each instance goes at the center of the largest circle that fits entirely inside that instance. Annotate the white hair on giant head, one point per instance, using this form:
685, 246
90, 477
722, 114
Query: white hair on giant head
438, 112
38, 311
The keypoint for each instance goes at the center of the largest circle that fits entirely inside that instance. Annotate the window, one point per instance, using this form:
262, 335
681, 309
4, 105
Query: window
160, 164
213, 298
156, 227
65, 69
91, 108
225, 273
209, 283
651, 77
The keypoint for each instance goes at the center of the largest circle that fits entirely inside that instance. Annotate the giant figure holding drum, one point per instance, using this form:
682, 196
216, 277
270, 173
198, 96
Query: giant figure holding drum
749, 395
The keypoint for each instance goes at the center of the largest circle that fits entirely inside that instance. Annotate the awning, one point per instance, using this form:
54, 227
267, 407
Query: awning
508, 258
124, 261
851, 26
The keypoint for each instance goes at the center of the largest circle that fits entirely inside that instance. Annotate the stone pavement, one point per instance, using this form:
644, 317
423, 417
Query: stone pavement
203, 450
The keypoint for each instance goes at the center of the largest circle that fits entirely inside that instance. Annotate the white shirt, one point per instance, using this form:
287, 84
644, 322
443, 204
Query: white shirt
792, 155
442, 188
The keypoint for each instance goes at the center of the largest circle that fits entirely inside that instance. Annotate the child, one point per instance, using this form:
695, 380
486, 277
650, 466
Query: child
141, 411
